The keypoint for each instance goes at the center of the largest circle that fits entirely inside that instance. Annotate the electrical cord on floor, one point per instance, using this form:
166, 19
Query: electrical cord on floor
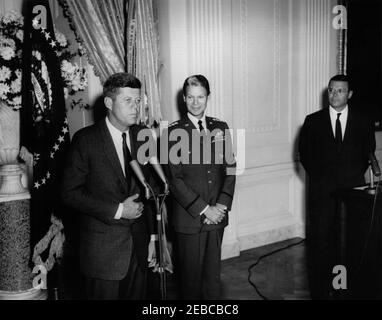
264, 256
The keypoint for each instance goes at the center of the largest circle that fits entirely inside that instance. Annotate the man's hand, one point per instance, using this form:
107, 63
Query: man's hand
221, 207
132, 209
207, 221
213, 215
152, 256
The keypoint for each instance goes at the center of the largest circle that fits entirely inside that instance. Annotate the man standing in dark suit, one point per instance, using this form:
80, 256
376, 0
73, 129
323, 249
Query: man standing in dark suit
202, 182
334, 147
99, 184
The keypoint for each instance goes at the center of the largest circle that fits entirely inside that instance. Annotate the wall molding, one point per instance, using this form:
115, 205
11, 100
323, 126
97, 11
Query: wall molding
249, 226
243, 64
206, 46
268, 62
318, 40
254, 240
270, 236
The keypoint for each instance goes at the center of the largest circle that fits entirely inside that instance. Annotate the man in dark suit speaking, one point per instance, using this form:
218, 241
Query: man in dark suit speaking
334, 146
99, 184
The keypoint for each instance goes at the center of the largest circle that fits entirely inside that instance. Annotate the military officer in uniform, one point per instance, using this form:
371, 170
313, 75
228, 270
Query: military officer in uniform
202, 179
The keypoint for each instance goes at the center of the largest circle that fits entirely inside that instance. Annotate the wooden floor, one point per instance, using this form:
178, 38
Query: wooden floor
281, 276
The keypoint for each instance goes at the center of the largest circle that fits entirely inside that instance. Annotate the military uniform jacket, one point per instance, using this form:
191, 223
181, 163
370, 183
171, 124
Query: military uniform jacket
194, 182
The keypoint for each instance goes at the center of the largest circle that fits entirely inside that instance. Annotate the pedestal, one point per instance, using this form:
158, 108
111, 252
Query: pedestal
15, 274
31, 294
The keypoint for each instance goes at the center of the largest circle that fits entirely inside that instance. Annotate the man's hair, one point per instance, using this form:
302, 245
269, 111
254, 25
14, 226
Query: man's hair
341, 77
196, 80
120, 80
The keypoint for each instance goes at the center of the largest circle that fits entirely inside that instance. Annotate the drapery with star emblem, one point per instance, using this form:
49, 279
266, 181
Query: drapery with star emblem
44, 131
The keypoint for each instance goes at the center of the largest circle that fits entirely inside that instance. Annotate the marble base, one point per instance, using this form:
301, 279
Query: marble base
232, 249
11, 187
31, 294
269, 236
15, 274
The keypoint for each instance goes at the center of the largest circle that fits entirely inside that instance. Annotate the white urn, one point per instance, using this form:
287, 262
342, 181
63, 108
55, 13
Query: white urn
13, 178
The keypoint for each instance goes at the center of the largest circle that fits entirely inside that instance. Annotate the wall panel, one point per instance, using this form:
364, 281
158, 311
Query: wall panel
268, 62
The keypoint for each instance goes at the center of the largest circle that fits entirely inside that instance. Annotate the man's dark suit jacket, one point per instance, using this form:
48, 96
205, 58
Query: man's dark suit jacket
94, 185
330, 167
194, 186
324, 162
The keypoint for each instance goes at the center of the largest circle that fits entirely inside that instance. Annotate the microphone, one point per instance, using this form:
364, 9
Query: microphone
137, 170
158, 169
374, 164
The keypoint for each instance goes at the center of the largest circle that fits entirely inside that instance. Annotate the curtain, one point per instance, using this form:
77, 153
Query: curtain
131, 31
121, 35
147, 61
99, 26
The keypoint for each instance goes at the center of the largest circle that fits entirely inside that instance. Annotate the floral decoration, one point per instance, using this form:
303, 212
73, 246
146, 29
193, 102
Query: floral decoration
11, 37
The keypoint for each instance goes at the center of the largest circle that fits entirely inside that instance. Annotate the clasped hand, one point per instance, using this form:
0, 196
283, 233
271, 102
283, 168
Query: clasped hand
132, 209
214, 214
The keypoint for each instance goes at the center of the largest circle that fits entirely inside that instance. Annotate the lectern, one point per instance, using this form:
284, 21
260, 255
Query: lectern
359, 242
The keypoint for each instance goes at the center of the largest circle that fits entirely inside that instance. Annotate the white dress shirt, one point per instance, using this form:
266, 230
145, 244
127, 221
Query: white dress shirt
117, 139
195, 120
116, 135
343, 119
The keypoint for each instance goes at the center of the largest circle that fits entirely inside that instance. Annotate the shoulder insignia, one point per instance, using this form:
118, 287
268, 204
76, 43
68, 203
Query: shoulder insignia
173, 123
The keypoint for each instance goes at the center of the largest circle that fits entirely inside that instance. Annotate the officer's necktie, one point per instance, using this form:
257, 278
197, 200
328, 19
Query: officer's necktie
126, 156
338, 130
201, 128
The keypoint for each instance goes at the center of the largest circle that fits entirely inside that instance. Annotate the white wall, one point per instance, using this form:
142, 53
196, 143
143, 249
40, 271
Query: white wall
268, 63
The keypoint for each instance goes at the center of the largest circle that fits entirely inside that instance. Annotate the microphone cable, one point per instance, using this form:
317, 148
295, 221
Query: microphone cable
262, 257
368, 236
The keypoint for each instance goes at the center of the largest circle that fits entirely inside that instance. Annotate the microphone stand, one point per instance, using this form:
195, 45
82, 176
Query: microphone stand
372, 189
161, 237
159, 214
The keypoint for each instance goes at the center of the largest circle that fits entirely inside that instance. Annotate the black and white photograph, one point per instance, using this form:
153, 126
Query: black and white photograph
190, 156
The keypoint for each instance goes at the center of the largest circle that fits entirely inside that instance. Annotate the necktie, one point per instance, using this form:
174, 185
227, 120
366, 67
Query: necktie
200, 126
203, 145
126, 155
338, 130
